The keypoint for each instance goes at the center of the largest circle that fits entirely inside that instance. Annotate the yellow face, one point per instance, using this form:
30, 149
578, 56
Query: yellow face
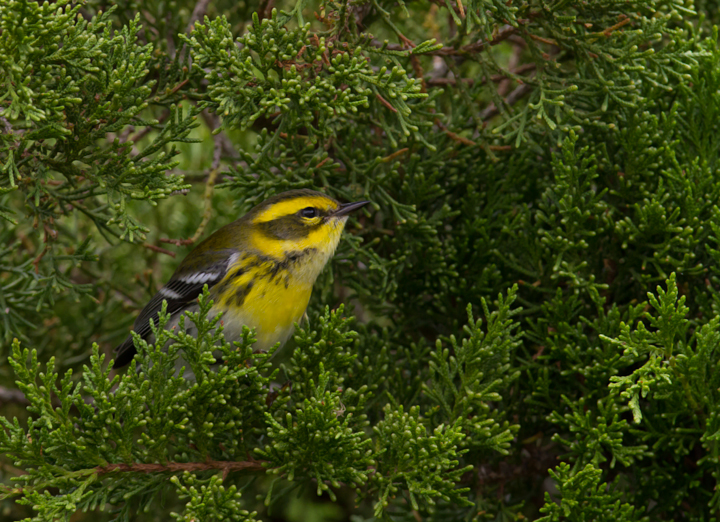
299, 223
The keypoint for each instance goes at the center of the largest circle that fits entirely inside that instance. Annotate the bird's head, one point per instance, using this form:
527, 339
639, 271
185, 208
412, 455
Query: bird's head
298, 221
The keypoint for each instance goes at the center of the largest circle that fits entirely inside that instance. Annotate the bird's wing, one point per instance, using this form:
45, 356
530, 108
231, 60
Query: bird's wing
180, 292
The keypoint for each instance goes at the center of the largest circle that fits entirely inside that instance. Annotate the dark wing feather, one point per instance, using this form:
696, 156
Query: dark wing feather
182, 290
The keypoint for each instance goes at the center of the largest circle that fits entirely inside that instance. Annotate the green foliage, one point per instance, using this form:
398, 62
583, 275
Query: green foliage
297, 81
316, 443
150, 415
211, 501
70, 88
161, 419
463, 385
584, 497
553, 165
658, 345
412, 459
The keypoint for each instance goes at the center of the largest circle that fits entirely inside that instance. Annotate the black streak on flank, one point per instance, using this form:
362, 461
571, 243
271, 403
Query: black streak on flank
286, 264
276, 267
242, 294
222, 287
271, 268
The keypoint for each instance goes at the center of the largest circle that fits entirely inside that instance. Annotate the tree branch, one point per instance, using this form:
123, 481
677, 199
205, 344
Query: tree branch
472, 48
495, 78
197, 14
10, 395
491, 110
177, 467
209, 188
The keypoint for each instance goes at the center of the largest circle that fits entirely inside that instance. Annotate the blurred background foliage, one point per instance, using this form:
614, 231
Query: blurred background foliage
568, 148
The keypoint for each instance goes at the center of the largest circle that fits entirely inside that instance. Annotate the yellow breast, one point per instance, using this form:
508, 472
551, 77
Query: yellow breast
268, 295
269, 286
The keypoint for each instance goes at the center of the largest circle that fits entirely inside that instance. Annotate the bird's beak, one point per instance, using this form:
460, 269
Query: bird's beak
346, 208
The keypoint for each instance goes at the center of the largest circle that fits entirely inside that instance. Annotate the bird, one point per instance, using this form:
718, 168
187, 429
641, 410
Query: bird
259, 269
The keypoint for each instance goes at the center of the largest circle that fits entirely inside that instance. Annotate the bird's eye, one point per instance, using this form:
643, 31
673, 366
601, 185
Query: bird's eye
309, 212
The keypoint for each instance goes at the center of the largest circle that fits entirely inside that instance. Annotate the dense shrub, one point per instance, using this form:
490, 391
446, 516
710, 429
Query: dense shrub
523, 324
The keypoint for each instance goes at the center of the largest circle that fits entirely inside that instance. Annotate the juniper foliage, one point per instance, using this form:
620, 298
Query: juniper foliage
523, 324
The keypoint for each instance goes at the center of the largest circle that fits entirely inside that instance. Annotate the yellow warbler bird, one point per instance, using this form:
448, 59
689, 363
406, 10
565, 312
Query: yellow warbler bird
260, 269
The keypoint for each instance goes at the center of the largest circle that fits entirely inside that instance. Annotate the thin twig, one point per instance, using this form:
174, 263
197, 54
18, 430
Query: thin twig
209, 187
213, 122
394, 155
419, 73
7, 128
146, 130
453, 81
177, 467
610, 30
452, 135
502, 35
548, 41
36, 261
407, 41
495, 78
505, 84
161, 250
385, 103
265, 9
169, 35
179, 86
197, 14
10, 395
491, 110
48, 235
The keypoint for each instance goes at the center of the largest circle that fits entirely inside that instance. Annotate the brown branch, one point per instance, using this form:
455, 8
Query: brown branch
7, 128
491, 110
505, 84
10, 395
177, 467
495, 78
548, 41
158, 249
610, 30
179, 86
518, 40
522, 69
199, 11
453, 81
265, 9
36, 261
419, 73
209, 187
407, 41
394, 155
323, 162
502, 35
169, 35
140, 135
452, 135
385, 103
